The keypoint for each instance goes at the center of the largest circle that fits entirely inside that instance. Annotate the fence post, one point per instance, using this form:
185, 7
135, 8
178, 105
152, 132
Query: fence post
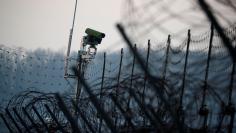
118, 78
131, 82
167, 56
204, 110
181, 111
145, 78
152, 80
230, 108
185, 69
79, 86
118, 82
146, 65
103, 74
231, 83
101, 91
131, 78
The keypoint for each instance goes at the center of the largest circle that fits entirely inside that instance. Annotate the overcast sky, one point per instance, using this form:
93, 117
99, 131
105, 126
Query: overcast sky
45, 23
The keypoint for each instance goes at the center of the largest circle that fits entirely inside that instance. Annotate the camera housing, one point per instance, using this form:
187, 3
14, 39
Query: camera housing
93, 37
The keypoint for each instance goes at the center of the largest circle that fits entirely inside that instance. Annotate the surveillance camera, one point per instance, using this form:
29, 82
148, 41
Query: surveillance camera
94, 33
93, 37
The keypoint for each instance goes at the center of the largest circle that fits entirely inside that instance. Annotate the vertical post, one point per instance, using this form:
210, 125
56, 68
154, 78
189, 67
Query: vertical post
131, 85
149, 76
103, 74
145, 78
230, 107
231, 83
207, 66
204, 110
79, 86
185, 70
101, 90
13, 120
146, 65
181, 111
69, 42
131, 78
6, 123
118, 78
167, 56
21, 120
118, 82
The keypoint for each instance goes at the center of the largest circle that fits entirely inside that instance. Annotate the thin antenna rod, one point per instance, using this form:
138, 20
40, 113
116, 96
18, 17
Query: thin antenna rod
70, 41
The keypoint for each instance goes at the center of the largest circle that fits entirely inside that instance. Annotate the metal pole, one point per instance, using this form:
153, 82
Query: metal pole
131, 84
231, 84
118, 82
154, 82
131, 78
145, 78
181, 111
207, 67
230, 108
103, 74
101, 91
118, 78
204, 110
167, 56
185, 70
79, 86
70, 40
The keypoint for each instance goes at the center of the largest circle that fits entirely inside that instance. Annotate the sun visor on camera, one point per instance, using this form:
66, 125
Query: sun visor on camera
94, 33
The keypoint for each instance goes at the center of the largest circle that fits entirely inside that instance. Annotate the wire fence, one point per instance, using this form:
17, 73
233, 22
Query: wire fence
162, 88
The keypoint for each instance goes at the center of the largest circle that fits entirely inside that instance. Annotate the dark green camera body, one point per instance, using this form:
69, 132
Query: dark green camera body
93, 37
